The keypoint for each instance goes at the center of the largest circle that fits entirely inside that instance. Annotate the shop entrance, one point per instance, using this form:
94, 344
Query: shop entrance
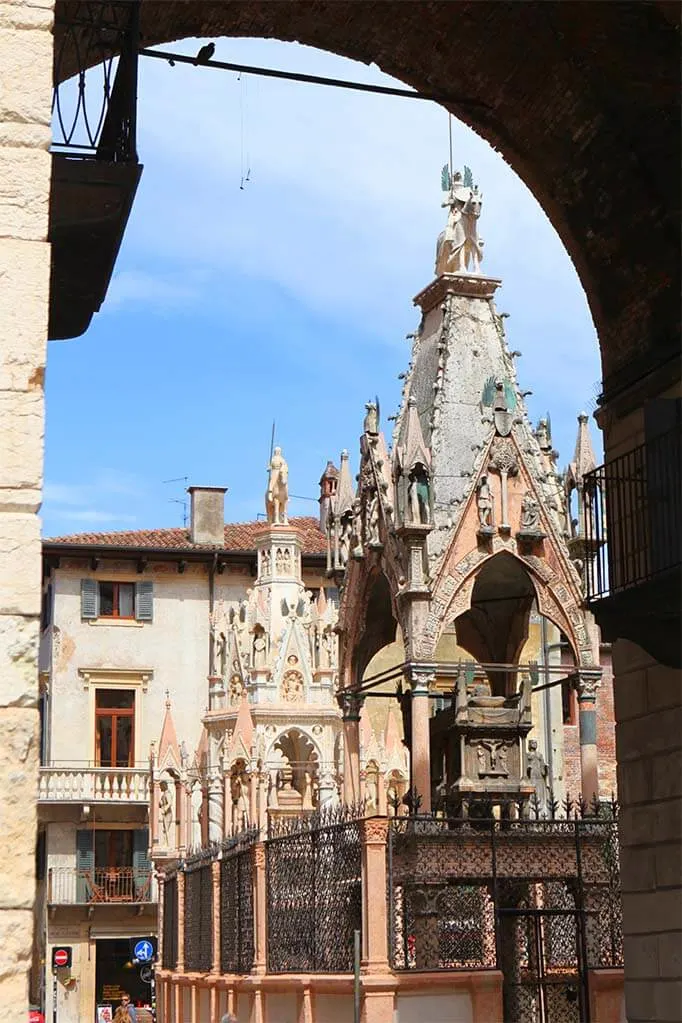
115, 973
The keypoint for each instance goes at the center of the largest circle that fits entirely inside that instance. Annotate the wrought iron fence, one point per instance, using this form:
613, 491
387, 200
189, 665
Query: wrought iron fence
198, 922
236, 905
314, 904
169, 954
632, 509
94, 115
453, 882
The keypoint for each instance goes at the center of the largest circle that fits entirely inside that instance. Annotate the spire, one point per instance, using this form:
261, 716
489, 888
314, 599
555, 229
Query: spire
584, 459
329, 481
345, 492
414, 451
168, 743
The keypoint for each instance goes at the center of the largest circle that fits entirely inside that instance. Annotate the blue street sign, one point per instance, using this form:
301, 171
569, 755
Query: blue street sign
144, 951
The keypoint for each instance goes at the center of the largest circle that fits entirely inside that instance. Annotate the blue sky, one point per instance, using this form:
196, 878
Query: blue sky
287, 299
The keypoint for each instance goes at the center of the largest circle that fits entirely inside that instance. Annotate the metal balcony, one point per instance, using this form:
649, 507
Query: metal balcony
70, 886
95, 170
66, 784
633, 511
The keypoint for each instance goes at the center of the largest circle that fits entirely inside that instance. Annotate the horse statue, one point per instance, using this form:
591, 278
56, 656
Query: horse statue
277, 494
459, 249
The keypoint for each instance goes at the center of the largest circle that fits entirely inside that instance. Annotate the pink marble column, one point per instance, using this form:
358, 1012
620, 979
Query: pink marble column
180, 968
215, 879
259, 909
421, 741
374, 903
351, 705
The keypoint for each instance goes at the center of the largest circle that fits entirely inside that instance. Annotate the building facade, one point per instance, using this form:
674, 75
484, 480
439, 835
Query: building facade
135, 624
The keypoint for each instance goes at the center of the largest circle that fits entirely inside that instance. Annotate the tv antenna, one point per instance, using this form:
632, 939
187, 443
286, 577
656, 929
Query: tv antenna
180, 500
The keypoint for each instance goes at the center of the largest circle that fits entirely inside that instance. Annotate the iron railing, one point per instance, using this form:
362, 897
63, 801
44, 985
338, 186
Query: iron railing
237, 944
314, 901
94, 115
632, 510
169, 952
198, 922
73, 886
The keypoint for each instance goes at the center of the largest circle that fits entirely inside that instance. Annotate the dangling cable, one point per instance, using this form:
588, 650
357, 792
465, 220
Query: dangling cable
245, 162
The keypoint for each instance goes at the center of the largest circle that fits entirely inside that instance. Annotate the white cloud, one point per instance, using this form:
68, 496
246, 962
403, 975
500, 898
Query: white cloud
160, 292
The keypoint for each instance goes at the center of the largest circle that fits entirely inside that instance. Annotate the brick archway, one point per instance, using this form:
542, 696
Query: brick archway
584, 113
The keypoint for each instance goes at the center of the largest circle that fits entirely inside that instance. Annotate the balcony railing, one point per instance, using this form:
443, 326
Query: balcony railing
632, 517
94, 785
69, 886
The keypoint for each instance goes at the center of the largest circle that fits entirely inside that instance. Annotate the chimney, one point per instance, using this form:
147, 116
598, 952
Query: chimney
207, 515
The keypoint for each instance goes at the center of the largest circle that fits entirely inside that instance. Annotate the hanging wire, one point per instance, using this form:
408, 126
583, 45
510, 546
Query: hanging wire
245, 158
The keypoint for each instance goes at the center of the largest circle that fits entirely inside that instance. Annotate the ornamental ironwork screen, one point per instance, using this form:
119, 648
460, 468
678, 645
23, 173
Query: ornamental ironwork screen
169, 956
538, 899
198, 916
313, 876
236, 909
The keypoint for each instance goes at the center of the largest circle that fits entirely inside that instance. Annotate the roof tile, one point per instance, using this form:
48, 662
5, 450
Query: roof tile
239, 536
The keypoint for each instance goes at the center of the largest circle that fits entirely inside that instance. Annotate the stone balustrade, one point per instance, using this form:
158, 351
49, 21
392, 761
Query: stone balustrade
94, 784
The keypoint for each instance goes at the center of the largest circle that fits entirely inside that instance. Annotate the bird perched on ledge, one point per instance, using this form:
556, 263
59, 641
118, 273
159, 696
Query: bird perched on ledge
205, 53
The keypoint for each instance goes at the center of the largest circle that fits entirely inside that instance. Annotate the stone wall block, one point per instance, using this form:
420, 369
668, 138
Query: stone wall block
26, 14
24, 193
24, 286
664, 688
637, 869
14, 985
18, 783
658, 911
20, 564
25, 71
630, 695
644, 737
21, 452
668, 1001
18, 661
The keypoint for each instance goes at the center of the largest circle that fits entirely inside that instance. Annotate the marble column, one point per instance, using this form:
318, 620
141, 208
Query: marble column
351, 705
420, 753
586, 684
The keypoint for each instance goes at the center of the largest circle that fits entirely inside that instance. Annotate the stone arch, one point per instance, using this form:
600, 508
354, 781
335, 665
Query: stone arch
300, 750
613, 149
378, 624
554, 600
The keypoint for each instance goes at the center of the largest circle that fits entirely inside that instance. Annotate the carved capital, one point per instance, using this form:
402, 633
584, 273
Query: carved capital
350, 703
422, 677
586, 682
259, 856
375, 830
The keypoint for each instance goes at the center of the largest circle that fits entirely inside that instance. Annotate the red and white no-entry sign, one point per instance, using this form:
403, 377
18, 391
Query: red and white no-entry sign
61, 957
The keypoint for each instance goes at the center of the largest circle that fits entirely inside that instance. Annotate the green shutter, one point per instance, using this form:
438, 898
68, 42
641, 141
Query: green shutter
85, 864
141, 865
89, 598
144, 601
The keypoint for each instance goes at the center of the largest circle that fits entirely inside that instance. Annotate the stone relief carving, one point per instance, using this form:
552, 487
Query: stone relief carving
530, 514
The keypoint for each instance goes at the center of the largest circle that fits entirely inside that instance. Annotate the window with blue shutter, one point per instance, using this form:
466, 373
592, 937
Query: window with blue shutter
85, 865
141, 865
89, 598
144, 601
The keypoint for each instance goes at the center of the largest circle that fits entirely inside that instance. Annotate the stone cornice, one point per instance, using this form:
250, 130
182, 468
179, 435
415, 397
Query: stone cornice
466, 285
